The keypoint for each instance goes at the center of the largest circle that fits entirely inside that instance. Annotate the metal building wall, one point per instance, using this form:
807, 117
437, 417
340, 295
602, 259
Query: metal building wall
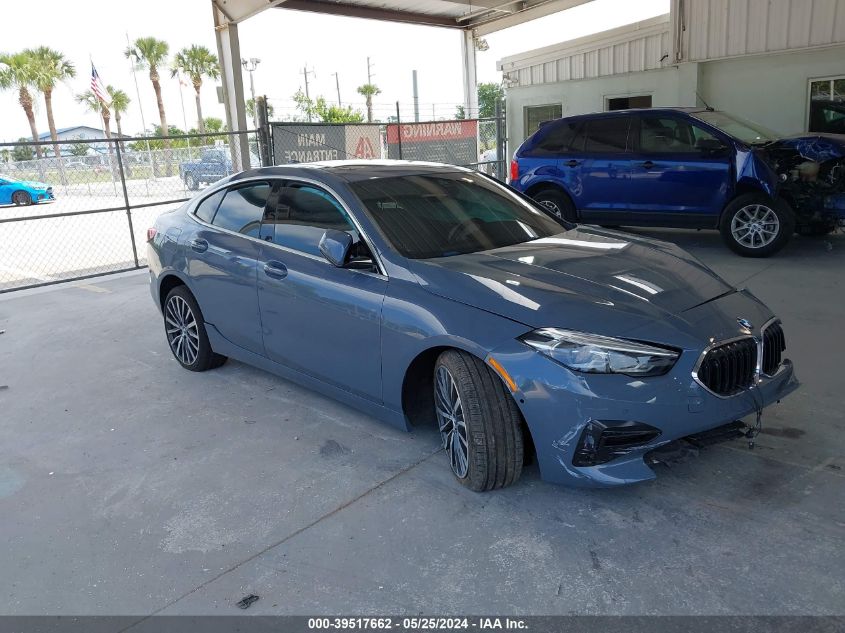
643, 46
716, 29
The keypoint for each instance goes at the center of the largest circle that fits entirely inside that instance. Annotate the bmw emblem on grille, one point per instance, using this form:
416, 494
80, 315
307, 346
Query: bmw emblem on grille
745, 324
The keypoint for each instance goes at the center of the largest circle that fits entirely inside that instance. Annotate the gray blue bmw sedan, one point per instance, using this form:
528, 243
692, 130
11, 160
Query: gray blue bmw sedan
431, 294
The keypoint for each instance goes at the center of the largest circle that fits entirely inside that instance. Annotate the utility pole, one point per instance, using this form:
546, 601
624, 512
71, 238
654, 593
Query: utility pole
337, 83
416, 98
305, 73
250, 66
369, 72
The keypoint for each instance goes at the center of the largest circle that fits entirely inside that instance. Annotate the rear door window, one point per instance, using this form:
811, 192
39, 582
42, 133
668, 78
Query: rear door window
607, 135
242, 209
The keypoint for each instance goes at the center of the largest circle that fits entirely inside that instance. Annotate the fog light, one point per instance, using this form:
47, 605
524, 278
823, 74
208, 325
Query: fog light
604, 440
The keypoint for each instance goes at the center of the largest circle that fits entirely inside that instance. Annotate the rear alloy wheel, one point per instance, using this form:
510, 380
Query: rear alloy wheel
186, 334
191, 182
557, 203
753, 225
479, 422
21, 199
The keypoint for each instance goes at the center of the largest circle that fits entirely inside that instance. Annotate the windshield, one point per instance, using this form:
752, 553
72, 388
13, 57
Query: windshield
737, 127
440, 215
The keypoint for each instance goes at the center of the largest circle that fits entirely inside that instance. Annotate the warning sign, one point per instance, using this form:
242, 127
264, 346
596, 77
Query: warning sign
454, 142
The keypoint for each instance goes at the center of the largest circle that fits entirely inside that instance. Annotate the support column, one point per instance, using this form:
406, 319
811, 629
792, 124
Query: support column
469, 78
229, 54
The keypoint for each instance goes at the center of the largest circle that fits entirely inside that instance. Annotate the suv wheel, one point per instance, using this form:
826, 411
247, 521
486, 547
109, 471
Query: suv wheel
754, 225
479, 422
557, 203
191, 182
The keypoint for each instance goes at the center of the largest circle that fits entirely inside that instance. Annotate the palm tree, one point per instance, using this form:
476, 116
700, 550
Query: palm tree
119, 104
93, 103
196, 61
50, 67
369, 91
18, 72
150, 53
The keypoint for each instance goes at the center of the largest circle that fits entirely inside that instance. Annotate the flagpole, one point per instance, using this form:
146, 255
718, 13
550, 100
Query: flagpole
184, 118
141, 110
101, 103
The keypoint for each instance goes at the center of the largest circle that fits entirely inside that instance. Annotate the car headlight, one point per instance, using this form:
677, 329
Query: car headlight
594, 354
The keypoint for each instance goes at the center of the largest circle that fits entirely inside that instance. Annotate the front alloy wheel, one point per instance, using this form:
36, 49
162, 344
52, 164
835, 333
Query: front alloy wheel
450, 419
480, 424
21, 199
754, 225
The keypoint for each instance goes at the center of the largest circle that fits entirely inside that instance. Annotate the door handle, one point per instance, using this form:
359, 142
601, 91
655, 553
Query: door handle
648, 164
276, 270
572, 163
198, 244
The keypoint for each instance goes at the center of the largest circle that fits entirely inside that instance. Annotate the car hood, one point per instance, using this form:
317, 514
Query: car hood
817, 147
586, 279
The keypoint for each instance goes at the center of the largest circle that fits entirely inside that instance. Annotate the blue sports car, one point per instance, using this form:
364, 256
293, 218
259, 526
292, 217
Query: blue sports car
431, 294
23, 192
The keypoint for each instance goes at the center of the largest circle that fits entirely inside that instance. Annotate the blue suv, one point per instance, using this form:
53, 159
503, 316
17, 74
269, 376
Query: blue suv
685, 167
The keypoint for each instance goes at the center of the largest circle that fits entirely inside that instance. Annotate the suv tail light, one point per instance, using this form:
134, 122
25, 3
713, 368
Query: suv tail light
514, 170
151, 233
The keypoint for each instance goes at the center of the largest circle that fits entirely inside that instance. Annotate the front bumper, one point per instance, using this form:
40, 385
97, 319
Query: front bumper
558, 404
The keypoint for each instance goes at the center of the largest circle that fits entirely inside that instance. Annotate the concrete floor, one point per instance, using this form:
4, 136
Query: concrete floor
130, 486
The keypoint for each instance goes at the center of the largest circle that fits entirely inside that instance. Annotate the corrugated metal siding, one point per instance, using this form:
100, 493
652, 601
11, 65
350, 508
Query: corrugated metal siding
637, 54
725, 28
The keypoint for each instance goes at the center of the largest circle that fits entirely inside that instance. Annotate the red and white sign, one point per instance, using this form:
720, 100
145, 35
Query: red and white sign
434, 131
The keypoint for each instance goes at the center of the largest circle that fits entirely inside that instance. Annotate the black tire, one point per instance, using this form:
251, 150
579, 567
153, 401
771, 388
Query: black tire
760, 211
191, 182
204, 358
558, 203
21, 199
492, 423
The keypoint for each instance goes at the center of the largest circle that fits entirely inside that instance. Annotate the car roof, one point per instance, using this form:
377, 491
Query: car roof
352, 170
601, 115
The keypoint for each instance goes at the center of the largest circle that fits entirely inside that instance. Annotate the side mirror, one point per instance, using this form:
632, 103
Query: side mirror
335, 247
711, 146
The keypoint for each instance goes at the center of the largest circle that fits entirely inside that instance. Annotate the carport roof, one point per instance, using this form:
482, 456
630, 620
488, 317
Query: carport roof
480, 16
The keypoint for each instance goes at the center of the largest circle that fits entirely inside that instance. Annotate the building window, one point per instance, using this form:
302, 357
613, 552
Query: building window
626, 103
535, 115
827, 105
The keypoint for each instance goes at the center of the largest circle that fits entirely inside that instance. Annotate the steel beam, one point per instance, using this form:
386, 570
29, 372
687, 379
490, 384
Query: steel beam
229, 54
469, 75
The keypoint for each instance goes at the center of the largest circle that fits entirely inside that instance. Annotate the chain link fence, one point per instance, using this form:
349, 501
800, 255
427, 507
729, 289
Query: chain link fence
83, 209
80, 208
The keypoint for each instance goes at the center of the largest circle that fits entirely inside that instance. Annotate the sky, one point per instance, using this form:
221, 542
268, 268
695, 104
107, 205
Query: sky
286, 42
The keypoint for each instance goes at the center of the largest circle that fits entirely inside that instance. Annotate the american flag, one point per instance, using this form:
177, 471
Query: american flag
97, 86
